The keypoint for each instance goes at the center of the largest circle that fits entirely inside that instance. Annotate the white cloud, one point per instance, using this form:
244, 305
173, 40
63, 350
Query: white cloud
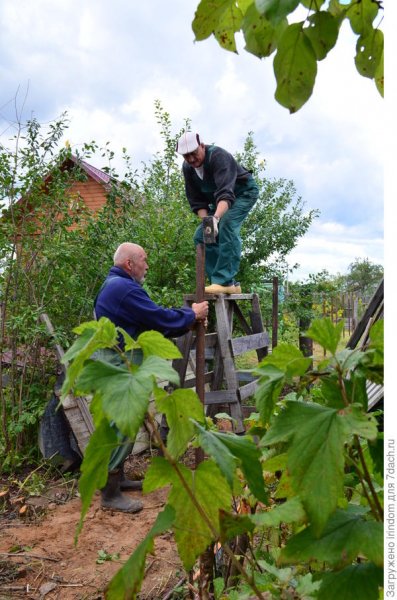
334, 246
106, 65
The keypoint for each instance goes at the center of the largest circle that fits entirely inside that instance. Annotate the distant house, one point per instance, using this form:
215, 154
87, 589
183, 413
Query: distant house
93, 190
86, 189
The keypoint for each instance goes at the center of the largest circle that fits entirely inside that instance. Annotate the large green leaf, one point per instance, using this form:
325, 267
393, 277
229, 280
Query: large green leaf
369, 53
295, 68
376, 334
361, 15
220, 17
360, 581
325, 333
214, 447
125, 396
358, 422
379, 76
288, 358
192, 532
346, 535
226, 448
268, 391
290, 511
127, 582
315, 456
232, 525
260, 35
153, 342
93, 336
94, 468
180, 407
276, 10
322, 32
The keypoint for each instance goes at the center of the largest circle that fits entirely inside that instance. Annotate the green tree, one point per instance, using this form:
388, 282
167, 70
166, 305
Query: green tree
363, 276
300, 44
55, 258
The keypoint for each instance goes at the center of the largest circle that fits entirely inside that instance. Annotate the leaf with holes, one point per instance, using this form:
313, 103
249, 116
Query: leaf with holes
295, 68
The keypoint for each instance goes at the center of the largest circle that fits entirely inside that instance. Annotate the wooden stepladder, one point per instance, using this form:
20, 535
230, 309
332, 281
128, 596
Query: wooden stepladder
228, 387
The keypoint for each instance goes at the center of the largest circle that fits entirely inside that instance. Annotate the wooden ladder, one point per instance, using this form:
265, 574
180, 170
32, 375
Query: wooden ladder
228, 387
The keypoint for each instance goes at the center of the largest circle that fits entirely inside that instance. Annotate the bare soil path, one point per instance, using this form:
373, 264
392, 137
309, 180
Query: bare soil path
38, 558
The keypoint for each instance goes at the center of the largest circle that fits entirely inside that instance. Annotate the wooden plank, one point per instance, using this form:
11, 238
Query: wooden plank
224, 317
257, 325
191, 381
221, 397
249, 342
248, 390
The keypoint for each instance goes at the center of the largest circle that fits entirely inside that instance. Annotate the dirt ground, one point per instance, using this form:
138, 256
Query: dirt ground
38, 559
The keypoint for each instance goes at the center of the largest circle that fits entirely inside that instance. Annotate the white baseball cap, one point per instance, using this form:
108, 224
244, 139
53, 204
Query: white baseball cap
188, 142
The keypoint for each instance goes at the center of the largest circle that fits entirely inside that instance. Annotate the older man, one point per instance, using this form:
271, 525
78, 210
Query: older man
217, 185
123, 301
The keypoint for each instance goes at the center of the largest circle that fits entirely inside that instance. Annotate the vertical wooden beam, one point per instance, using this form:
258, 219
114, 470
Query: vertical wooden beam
275, 313
200, 335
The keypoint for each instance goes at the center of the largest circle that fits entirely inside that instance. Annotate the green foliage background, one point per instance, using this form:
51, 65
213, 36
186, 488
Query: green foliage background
54, 254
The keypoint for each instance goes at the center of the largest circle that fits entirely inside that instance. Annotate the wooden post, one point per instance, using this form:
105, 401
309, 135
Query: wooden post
305, 343
200, 335
275, 312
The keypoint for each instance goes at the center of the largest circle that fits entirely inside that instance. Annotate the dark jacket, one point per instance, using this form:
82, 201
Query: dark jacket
124, 301
224, 179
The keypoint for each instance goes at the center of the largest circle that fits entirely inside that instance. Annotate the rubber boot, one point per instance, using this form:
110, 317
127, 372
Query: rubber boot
112, 498
128, 484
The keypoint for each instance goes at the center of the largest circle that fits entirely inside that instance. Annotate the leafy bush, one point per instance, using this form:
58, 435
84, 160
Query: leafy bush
306, 477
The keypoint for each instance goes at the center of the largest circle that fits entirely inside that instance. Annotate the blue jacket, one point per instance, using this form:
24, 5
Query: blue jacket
124, 301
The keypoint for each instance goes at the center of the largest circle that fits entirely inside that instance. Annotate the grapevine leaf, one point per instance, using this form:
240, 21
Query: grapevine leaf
179, 407
359, 423
212, 493
356, 581
295, 68
348, 359
192, 533
345, 536
322, 32
153, 342
376, 334
290, 511
125, 396
276, 10
361, 15
369, 52
315, 456
226, 448
288, 358
269, 388
325, 333
225, 460
128, 580
94, 468
93, 335
232, 525
159, 474
331, 392
260, 35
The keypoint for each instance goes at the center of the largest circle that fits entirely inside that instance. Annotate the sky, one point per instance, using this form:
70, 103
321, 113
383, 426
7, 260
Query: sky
106, 63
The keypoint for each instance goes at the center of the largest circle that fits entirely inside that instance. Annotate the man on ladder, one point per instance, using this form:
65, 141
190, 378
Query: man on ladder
217, 186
